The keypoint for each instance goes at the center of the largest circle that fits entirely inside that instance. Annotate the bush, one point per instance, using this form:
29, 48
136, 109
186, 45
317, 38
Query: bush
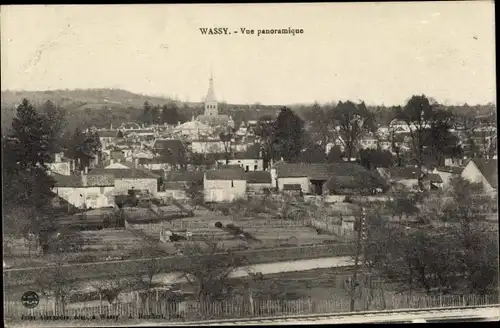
218, 224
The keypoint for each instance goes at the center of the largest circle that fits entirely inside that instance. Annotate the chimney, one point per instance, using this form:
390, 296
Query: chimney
84, 180
136, 162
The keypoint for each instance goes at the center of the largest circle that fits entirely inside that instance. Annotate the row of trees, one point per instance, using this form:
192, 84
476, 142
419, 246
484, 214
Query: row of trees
169, 114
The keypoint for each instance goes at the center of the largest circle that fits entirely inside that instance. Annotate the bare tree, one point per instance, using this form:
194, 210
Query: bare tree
208, 268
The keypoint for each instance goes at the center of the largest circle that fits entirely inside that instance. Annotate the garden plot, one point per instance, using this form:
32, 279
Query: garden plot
110, 239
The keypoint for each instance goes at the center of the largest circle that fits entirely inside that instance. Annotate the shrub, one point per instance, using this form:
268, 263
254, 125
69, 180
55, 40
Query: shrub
218, 224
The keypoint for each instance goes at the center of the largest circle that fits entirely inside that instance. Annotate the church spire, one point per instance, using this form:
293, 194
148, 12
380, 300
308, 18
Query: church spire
211, 94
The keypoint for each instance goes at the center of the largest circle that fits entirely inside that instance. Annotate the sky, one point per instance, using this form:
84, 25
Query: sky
382, 53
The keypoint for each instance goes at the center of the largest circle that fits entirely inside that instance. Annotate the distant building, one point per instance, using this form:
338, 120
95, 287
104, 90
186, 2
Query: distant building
130, 179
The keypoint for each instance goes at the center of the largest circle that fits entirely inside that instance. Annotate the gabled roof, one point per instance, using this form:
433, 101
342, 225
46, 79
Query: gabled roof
403, 173
433, 177
134, 173
258, 177
353, 176
489, 169
225, 174
165, 144
76, 181
185, 176
314, 171
108, 133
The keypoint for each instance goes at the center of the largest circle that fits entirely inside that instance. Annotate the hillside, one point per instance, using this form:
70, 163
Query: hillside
82, 98
103, 107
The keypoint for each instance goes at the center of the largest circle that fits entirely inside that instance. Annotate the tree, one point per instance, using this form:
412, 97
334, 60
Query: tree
226, 138
452, 250
264, 129
155, 115
56, 123
418, 114
170, 114
320, 125
85, 146
26, 182
208, 268
195, 192
352, 120
313, 153
57, 282
288, 136
372, 158
112, 285
147, 114
335, 155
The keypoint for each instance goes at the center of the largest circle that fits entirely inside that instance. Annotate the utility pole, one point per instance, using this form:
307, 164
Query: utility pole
359, 247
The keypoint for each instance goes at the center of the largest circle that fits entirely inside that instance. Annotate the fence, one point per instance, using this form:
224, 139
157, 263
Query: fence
192, 311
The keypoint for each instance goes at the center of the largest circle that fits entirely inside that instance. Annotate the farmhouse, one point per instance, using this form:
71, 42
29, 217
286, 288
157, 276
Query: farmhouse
249, 160
131, 179
482, 171
177, 182
258, 181
224, 185
85, 190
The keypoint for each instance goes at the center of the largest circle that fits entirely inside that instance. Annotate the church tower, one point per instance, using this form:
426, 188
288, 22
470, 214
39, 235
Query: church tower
210, 101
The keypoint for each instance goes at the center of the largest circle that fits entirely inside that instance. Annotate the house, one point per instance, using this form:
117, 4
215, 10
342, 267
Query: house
368, 142
484, 171
208, 146
258, 181
224, 185
131, 179
108, 137
61, 165
117, 155
434, 181
313, 178
310, 176
353, 179
170, 151
85, 190
400, 177
249, 160
177, 182
447, 173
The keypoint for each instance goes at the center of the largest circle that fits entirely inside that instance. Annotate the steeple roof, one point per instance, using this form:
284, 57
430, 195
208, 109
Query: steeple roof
211, 94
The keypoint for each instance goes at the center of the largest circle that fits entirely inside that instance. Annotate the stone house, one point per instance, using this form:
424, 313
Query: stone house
224, 185
131, 179
86, 190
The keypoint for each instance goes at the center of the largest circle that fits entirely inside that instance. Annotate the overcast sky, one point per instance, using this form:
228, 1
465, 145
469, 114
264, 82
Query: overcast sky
381, 53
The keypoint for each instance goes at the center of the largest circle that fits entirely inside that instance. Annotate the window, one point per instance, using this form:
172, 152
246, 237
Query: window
232, 183
247, 168
255, 167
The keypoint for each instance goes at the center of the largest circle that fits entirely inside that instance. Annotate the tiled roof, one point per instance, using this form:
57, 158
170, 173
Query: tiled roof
76, 181
450, 169
126, 173
314, 171
433, 177
403, 173
489, 169
226, 174
353, 176
185, 176
258, 177
108, 133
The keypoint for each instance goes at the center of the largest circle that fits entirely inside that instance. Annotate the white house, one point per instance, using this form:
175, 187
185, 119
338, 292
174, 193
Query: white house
85, 191
224, 185
249, 160
258, 181
483, 171
208, 146
131, 179
61, 165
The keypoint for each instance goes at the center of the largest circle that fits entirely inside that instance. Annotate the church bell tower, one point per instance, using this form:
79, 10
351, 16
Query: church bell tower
210, 101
